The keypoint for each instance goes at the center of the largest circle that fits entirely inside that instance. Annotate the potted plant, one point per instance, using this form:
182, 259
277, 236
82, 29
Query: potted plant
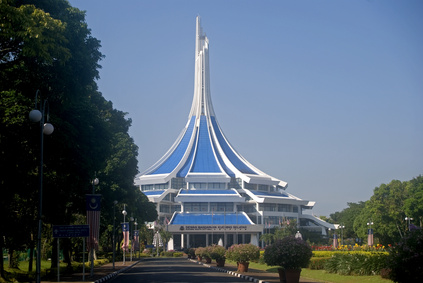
206, 254
199, 252
218, 254
242, 254
191, 253
291, 254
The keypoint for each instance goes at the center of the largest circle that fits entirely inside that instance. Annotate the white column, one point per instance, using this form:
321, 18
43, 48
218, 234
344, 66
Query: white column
170, 245
254, 239
182, 241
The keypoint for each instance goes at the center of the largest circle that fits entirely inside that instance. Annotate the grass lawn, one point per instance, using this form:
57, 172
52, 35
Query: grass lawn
322, 275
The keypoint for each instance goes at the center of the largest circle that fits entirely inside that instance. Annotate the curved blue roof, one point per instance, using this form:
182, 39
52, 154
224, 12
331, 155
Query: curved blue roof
173, 160
204, 161
153, 193
269, 194
238, 163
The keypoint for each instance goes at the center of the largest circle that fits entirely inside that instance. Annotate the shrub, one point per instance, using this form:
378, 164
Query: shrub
243, 253
289, 253
178, 254
406, 258
318, 263
200, 251
190, 252
356, 263
217, 252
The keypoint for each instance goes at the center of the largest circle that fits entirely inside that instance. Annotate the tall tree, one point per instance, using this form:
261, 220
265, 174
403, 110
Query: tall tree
47, 45
386, 210
347, 216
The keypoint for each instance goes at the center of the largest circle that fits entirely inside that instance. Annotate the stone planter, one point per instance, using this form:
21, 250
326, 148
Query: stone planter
220, 263
289, 275
243, 266
199, 258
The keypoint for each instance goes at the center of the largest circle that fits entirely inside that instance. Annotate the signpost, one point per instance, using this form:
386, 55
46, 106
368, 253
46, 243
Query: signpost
71, 231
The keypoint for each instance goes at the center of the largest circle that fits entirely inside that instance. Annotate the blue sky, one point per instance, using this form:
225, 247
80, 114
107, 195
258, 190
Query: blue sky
325, 95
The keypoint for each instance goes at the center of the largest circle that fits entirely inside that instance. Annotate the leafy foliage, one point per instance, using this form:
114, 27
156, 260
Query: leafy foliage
217, 252
289, 253
356, 263
47, 45
406, 258
243, 253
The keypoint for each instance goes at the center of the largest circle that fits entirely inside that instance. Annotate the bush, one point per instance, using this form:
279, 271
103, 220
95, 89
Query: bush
200, 251
318, 263
289, 253
406, 258
243, 253
217, 252
178, 254
356, 264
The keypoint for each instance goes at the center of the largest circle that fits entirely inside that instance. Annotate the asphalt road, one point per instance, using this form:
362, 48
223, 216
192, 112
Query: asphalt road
172, 270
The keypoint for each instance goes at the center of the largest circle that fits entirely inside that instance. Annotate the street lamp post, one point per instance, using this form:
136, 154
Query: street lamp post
45, 129
114, 230
124, 214
94, 182
130, 235
370, 233
342, 233
409, 219
136, 238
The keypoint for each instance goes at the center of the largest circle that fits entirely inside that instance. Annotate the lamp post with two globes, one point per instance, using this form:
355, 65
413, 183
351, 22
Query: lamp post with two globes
124, 223
45, 129
114, 230
370, 233
408, 219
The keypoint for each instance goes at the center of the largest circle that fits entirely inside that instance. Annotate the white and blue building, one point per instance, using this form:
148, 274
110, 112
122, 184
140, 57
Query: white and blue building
206, 192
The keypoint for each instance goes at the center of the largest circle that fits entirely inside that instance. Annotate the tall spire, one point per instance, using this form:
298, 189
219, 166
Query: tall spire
202, 153
201, 103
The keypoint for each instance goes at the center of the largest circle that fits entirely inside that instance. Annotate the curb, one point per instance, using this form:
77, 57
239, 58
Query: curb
111, 275
245, 277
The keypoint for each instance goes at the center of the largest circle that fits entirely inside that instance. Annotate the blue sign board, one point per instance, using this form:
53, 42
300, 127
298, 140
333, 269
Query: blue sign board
71, 231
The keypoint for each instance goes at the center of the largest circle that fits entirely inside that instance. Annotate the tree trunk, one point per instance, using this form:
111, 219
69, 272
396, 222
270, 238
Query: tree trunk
54, 253
31, 255
13, 262
1, 261
67, 251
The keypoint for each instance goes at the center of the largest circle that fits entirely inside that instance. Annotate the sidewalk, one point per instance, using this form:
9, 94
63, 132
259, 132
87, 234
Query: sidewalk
100, 274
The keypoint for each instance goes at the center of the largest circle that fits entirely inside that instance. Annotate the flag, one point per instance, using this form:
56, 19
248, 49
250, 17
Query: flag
136, 240
166, 221
125, 230
93, 219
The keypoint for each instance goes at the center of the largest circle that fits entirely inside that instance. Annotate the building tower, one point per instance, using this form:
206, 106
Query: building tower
205, 191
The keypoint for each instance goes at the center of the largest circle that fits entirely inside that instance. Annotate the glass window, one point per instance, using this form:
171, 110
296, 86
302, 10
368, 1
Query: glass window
250, 186
178, 183
222, 206
284, 207
263, 188
198, 186
221, 186
176, 207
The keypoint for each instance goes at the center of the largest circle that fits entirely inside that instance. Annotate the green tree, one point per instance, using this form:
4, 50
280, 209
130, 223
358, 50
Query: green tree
413, 206
47, 45
386, 210
347, 216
